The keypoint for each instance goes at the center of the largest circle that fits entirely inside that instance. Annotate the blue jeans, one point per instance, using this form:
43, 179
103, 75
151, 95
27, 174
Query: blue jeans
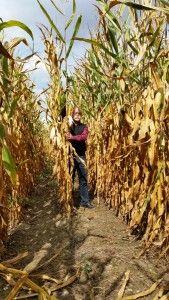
82, 175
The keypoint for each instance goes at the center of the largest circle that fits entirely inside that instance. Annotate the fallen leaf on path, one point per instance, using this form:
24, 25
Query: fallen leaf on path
26, 296
15, 259
8, 278
126, 279
144, 293
165, 297
41, 292
158, 295
37, 258
45, 277
17, 287
52, 258
43, 295
67, 282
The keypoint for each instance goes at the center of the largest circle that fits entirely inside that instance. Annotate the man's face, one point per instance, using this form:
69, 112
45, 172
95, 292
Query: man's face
77, 115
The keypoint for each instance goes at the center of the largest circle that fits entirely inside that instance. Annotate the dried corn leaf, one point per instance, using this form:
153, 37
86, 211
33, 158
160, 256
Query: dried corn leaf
144, 293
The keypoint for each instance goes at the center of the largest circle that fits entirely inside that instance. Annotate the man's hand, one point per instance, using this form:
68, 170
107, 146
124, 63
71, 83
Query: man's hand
68, 136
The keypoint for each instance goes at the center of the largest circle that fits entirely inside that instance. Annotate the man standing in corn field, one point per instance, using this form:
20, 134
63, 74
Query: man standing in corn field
77, 136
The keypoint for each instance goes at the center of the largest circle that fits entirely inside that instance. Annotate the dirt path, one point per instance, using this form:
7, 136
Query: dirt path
95, 240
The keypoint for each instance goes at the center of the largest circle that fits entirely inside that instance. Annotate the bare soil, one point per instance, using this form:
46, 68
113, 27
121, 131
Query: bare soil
94, 240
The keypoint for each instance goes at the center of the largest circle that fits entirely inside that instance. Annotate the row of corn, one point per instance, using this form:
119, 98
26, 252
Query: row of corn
21, 149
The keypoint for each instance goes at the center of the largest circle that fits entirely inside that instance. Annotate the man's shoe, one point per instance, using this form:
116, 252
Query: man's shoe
87, 205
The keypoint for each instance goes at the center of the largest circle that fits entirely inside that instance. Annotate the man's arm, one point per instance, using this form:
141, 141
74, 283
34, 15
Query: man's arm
80, 137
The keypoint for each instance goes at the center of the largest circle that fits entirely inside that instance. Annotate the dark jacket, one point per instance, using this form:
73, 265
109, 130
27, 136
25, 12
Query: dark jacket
79, 136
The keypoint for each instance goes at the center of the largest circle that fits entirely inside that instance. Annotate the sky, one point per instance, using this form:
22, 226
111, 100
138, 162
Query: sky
29, 12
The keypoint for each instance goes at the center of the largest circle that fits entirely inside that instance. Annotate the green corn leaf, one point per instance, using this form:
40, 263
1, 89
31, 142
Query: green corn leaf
165, 2
74, 6
76, 29
145, 7
2, 131
9, 164
51, 22
7, 157
96, 43
72, 16
69, 21
138, 6
133, 48
5, 66
155, 35
57, 8
5, 69
112, 36
158, 49
25, 58
110, 16
13, 23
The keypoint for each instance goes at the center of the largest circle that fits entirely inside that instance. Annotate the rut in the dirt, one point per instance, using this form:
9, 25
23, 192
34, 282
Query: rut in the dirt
96, 241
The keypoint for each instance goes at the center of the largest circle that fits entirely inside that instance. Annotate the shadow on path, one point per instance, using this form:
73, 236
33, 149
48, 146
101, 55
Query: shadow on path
95, 240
